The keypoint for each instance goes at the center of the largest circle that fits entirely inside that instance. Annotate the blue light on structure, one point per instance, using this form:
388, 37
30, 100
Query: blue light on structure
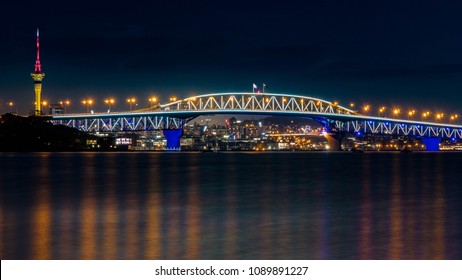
431, 144
173, 138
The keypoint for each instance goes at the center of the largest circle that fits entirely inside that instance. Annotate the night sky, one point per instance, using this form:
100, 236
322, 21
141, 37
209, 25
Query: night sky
406, 53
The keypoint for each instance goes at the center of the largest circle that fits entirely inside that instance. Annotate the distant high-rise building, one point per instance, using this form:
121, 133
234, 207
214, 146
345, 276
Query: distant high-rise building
38, 76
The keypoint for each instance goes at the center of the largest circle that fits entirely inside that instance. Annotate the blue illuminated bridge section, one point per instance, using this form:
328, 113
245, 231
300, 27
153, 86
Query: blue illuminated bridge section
335, 118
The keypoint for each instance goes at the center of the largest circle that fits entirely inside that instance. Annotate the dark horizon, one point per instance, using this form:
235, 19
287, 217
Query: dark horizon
392, 54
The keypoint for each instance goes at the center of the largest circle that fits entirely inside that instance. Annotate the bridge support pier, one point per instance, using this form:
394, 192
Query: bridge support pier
334, 141
173, 138
431, 144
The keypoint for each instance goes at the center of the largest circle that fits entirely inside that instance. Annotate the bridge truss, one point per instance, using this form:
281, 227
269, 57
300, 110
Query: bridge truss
388, 127
107, 123
333, 117
250, 102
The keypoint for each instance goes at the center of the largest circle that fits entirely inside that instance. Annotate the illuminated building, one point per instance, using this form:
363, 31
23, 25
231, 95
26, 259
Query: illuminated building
38, 76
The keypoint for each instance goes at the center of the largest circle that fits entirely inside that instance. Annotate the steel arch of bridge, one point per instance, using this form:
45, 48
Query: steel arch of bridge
267, 102
334, 117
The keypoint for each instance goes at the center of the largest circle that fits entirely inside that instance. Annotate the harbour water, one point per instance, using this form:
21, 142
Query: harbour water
313, 205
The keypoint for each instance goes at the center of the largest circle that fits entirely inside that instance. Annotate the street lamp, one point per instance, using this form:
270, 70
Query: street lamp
87, 103
44, 103
454, 117
109, 102
439, 116
131, 101
152, 101
396, 112
10, 104
381, 110
64, 104
366, 108
410, 114
173, 99
425, 115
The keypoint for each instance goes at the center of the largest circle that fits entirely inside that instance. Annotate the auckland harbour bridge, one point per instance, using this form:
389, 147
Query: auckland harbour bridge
337, 120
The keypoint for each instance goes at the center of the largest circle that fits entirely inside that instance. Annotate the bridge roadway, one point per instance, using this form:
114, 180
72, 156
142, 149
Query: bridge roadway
336, 119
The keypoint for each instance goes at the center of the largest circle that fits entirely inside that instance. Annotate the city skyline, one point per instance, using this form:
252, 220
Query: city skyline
390, 54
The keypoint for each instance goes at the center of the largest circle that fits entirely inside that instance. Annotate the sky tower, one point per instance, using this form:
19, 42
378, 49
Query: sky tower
38, 76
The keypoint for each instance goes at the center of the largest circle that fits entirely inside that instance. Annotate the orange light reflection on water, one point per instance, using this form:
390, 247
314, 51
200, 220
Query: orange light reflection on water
131, 211
193, 212
153, 212
173, 237
439, 210
110, 211
41, 220
88, 210
65, 225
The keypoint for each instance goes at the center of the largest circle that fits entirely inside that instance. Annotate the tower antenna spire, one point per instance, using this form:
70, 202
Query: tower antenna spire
38, 67
38, 76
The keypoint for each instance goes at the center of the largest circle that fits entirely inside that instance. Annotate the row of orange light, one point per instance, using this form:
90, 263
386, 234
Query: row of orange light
411, 113
366, 108
109, 101
112, 100
44, 102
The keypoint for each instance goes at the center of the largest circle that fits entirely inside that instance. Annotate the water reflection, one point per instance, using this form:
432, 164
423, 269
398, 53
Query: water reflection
153, 209
439, 212
396, 212
230, 206
131, 205
193, 228
88, 209
41, 212
65, 215
110, 209
365, 215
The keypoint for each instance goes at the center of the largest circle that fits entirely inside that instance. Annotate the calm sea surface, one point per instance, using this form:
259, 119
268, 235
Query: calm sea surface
231, 206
